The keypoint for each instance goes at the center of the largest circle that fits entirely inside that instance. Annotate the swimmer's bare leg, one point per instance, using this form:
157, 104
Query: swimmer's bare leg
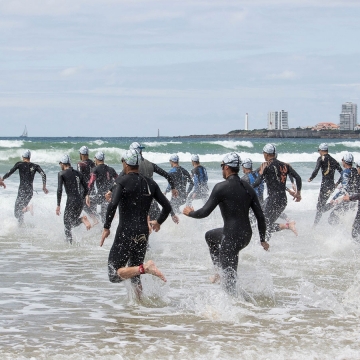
29, 208
132, 271
215, 278
290, 226
86, 222
95, 219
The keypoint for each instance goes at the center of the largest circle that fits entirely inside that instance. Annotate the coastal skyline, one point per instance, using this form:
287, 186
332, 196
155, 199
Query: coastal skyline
117, 68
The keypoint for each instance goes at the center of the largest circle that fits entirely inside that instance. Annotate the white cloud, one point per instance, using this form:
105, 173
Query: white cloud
70, 71
285, 75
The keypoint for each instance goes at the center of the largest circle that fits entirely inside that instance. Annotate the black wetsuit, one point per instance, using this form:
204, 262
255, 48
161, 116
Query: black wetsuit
85, 167
27, 172
147, 169
133, 194
76, 190
180, 177
275, 175
328, 166
104, 176
356, 224
235, 198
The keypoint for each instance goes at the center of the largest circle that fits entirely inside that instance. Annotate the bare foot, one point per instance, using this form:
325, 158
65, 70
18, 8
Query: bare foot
29, 208
86, 222
293, 228
95, 220
150, 268
215, 278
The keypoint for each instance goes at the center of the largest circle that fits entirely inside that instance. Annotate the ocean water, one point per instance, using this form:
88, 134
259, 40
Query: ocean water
56, 301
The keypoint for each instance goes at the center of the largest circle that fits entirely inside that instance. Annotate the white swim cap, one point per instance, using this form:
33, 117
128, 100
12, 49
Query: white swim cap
348, 158
195, 158
131, 157
269, 149
26, 154
232, 159
136, 146
84, 150
247, 163
65, 159
100, 156
174, 158
323, 147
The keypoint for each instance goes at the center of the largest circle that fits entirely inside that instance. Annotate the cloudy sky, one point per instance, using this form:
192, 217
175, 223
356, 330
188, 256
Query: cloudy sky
127, 68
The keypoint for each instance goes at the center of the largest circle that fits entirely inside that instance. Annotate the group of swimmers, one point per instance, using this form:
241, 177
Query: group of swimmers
137, 196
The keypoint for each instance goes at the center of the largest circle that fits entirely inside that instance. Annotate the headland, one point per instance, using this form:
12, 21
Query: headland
291, 133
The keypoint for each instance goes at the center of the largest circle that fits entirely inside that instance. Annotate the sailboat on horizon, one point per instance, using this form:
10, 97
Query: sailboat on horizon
25, 133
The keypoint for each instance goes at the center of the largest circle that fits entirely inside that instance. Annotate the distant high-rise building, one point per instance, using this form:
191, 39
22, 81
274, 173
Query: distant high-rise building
278, 120
283, 120
348, 116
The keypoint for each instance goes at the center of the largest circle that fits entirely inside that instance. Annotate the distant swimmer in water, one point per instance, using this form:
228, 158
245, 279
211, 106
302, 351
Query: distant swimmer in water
181, 178
349, 182
76, 190
275, 173
200, 179
133, 194
355, 233
328, 166
27, 172
103, 176
235, 197
85, 166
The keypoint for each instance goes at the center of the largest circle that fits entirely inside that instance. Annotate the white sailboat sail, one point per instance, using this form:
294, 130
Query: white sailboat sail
25, 133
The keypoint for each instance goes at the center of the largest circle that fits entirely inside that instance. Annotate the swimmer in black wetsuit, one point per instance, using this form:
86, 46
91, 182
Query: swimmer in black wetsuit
181, 178
328, 166
275, 173
103, 176
147, 168
2, 184
235, 198
355, 233
133, 194
76, 189
85, 167
27, 172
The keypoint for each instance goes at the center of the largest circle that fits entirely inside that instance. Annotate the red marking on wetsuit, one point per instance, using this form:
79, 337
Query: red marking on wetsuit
283, 173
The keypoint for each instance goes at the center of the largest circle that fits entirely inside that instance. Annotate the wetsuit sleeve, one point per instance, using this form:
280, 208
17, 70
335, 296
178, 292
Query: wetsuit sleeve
164, 174
338, 167
258, 180
41, 172
92, 181
59, 188
355, 197
9, 173
196, 183
84, 185
111, 210
345, 178
292, 172
317, 168
189, 180
208, 208
260, 217
164, 202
